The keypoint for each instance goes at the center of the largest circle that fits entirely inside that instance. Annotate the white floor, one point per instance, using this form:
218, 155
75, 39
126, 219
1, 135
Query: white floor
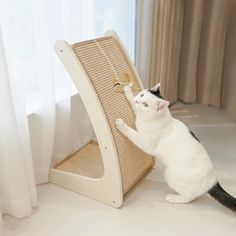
64, 213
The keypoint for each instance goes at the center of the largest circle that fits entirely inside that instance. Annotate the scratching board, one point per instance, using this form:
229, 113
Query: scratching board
94, 66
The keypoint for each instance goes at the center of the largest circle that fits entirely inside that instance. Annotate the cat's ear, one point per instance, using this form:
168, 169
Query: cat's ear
156, 88
162, 105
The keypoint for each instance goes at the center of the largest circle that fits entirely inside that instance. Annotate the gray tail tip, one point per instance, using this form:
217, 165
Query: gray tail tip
219, 194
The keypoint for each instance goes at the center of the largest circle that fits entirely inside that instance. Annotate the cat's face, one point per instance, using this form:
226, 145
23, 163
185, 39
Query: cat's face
150, 103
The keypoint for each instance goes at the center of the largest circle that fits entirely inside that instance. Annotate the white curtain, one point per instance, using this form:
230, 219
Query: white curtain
17, 185
42, 118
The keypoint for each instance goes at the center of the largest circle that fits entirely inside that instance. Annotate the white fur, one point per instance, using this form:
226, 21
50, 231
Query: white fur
189, 170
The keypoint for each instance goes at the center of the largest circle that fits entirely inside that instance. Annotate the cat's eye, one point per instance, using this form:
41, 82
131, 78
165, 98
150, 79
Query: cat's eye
145, 104
141, 95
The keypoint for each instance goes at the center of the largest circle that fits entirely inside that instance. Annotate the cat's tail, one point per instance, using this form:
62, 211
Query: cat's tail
218, 193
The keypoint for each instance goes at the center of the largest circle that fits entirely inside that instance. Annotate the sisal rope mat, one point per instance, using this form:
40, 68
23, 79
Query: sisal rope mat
87, 162
133, 162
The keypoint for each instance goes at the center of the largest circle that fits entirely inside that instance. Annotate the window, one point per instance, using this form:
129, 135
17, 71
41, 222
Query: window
31, 27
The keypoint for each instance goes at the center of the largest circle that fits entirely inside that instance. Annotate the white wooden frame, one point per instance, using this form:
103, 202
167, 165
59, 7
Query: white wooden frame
107, 189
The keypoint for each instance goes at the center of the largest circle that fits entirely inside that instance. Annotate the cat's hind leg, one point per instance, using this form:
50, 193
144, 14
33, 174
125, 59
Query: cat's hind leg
186, 185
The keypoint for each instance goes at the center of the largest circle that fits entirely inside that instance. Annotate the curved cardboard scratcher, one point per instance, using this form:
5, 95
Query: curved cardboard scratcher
107, 170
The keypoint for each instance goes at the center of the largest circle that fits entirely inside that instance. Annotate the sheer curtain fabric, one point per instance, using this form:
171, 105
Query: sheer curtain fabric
43, 119
17, 184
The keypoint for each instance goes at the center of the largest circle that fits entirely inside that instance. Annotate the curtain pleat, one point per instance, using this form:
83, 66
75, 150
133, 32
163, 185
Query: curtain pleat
168, 17
229, 67
47, 109
17, 183
211, 53
143, 35
192, 25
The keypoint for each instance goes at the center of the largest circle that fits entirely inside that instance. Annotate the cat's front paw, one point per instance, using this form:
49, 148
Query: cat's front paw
121, 125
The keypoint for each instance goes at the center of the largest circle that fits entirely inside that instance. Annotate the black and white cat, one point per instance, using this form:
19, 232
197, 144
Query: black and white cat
189, 170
